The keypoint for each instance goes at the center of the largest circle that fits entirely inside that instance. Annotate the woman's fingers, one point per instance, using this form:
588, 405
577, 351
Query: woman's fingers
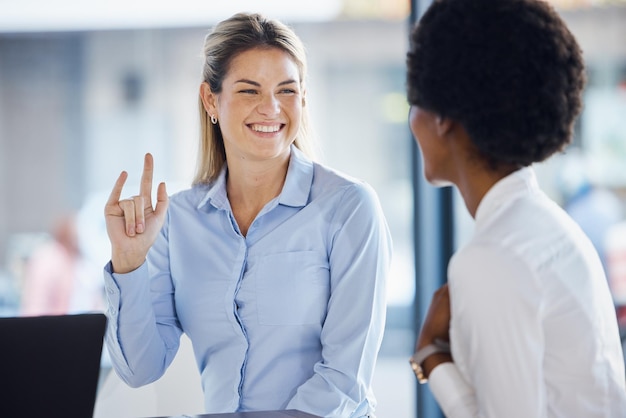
137, 210
437, 322
145, 187
162, 201
112, 207
129, 212
134, 215
140, 220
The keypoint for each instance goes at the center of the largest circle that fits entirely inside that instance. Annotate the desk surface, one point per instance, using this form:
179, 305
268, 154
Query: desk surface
292, 413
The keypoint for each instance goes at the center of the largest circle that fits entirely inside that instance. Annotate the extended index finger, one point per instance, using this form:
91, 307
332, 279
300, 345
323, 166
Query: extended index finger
145, 189
114, 197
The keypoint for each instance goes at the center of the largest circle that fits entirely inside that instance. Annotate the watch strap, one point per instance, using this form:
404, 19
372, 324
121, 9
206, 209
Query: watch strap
420, 355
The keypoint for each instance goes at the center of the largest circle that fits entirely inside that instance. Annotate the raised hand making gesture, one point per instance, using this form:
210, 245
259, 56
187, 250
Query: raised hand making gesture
133, 224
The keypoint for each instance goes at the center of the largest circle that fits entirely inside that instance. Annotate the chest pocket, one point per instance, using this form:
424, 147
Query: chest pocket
292, 288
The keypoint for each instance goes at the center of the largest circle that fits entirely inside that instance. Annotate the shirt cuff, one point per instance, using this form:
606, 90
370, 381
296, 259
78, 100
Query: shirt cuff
453, 394
135, 286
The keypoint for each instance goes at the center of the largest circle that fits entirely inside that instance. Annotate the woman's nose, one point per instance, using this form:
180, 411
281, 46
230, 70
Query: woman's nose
269, 106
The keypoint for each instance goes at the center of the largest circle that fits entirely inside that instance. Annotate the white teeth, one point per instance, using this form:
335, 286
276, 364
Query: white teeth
265, 128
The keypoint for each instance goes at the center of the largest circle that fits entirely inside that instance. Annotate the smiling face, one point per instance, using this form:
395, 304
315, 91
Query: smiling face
260, 105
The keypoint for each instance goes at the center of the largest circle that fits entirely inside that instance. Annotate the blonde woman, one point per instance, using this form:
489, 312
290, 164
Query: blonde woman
274, 265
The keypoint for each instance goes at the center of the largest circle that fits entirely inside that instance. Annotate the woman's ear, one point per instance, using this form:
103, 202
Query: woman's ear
208, 98
444, 125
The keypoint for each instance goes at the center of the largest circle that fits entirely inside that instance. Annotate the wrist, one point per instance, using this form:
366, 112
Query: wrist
428, 356
429, 364
122, 265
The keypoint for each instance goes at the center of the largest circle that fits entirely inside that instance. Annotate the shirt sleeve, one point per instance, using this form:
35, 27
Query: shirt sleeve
456, 398
353, 329
143, 333
496, 336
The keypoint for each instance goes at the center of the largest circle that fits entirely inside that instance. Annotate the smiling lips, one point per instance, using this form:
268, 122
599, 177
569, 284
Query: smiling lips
266, 128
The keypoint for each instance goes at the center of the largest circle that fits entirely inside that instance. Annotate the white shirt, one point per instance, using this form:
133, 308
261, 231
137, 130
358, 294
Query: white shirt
533, 329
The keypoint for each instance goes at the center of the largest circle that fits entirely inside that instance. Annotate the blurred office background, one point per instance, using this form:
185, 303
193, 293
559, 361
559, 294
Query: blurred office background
87, 88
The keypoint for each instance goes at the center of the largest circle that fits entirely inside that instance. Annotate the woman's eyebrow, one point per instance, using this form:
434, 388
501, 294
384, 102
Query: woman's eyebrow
243, 80
254, 83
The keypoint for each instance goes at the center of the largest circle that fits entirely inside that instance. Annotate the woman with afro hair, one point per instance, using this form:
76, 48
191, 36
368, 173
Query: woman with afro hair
525, 326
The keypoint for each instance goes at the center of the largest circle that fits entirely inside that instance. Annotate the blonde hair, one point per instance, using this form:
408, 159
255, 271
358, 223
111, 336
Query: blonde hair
240, 33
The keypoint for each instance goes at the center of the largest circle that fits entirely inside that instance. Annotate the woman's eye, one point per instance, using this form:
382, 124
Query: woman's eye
247, 91
288, 91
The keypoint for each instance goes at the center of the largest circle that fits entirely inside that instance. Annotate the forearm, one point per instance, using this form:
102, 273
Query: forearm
140, 352
433, 361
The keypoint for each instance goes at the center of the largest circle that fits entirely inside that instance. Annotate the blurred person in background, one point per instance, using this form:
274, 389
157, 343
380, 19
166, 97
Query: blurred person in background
57, 279
525, 326
274, 265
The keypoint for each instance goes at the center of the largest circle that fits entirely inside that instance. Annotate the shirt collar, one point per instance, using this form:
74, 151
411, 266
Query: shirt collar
518, 183
299, 179
295, 191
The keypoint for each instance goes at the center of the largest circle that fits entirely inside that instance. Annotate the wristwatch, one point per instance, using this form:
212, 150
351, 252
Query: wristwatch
420, 355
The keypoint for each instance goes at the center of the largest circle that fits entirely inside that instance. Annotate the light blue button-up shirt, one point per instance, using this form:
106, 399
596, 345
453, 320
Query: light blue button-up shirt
290, 316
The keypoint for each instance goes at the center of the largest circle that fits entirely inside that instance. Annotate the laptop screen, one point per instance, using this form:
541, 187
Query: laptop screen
50, 364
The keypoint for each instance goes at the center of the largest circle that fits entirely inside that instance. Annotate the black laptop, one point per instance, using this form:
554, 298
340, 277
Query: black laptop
49, 365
